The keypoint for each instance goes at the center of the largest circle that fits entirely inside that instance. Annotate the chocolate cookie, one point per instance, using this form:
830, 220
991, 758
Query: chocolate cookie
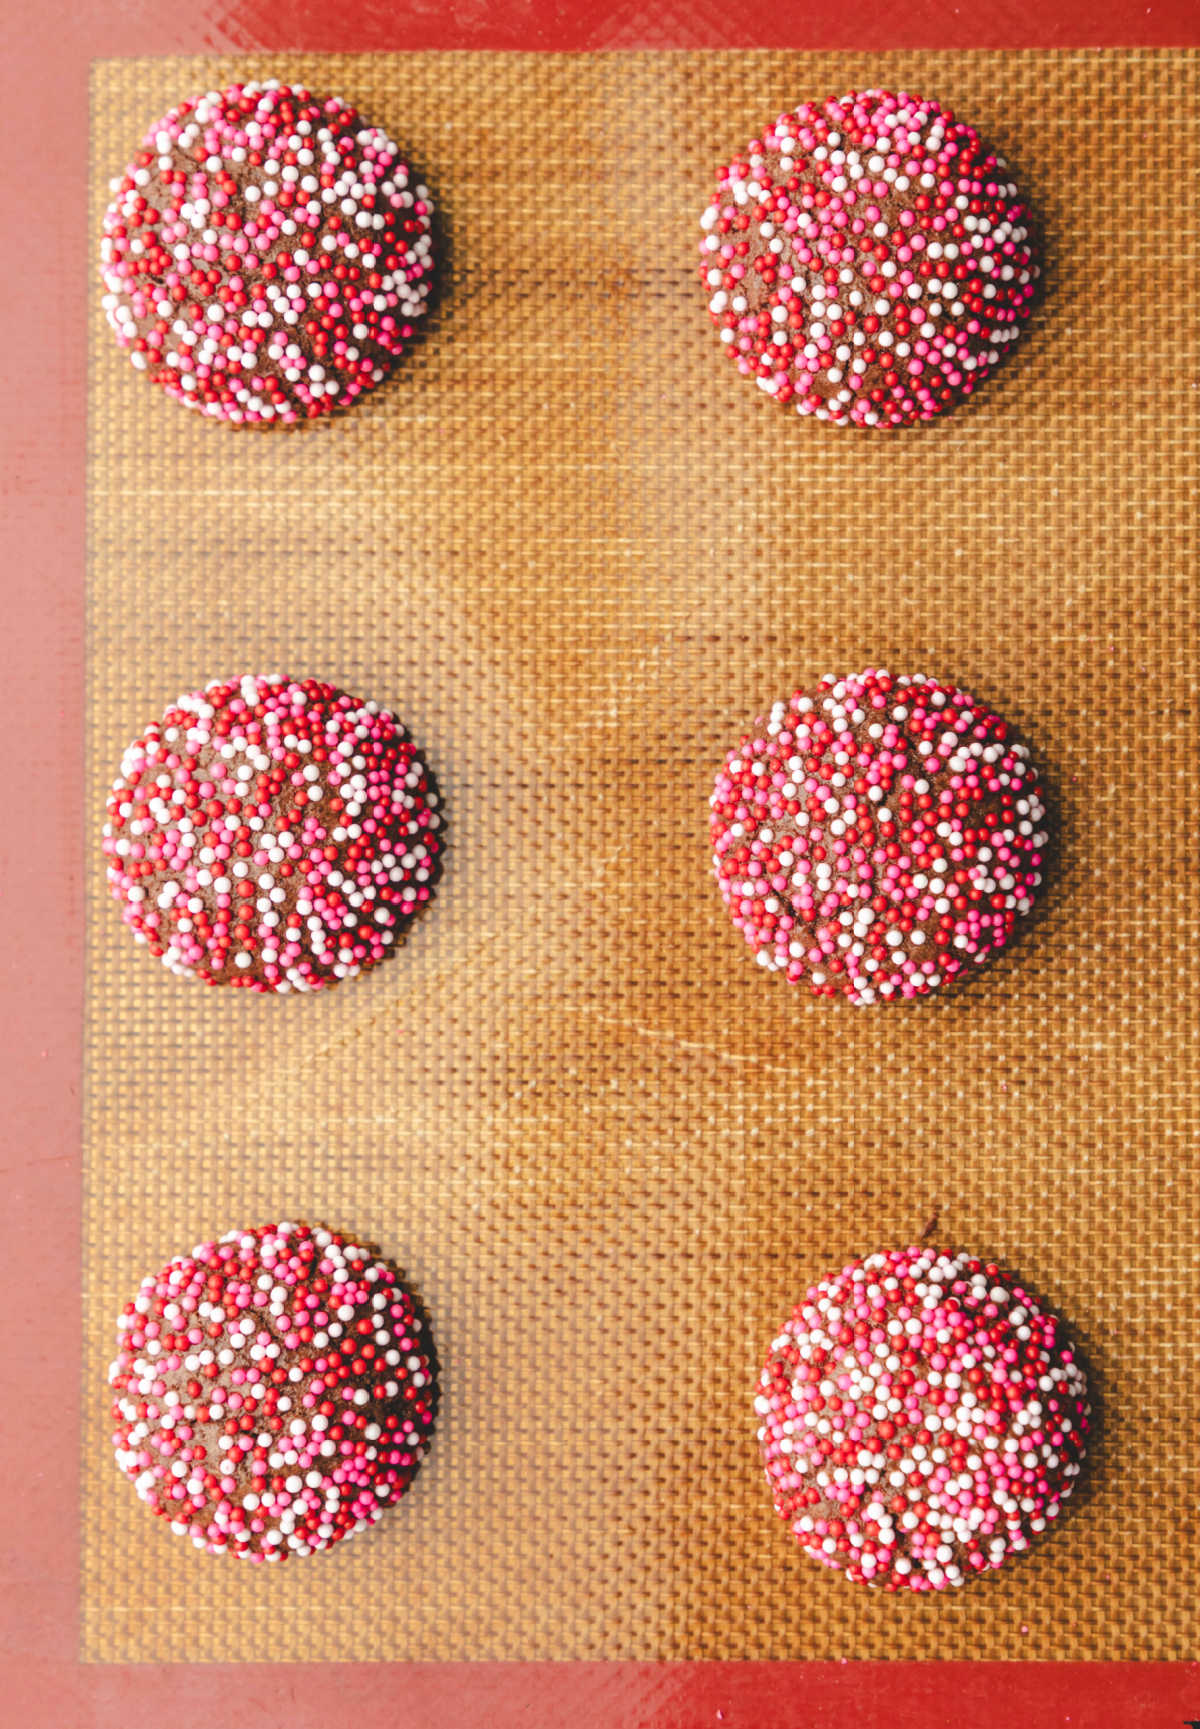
272, 833
273, 1392
878, 837
868, 259
922, 1419
266, 254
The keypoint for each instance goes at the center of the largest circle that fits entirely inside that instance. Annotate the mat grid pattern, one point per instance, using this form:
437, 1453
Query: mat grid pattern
576, 554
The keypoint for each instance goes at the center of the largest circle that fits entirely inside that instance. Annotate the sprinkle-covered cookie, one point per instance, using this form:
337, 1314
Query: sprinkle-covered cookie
868, 259
922, 1419
272, 833
266, 254
273, 1392
878, 836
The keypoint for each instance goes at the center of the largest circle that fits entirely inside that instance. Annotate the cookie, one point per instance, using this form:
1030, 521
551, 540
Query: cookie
273, 1392
868, 259
878, 837
272, 833
923, 1419
266, 254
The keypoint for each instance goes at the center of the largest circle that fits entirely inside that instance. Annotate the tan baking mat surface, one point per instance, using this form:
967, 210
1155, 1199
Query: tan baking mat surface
576, 552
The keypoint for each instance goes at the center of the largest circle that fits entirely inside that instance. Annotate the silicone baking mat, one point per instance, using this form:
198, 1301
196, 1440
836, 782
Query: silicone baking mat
577, 554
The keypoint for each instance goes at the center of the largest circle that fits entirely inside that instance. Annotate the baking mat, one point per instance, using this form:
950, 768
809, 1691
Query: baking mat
576, 553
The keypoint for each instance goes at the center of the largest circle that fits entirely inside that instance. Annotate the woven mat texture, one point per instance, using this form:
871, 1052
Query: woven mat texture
576, 553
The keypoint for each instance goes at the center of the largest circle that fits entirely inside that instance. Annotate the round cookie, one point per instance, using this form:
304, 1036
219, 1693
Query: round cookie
273, 1392
922, 1419
868, 259
272, 833
878, 837
266, 254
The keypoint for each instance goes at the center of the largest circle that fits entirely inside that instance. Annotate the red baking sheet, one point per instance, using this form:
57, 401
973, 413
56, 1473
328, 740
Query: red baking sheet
47, 48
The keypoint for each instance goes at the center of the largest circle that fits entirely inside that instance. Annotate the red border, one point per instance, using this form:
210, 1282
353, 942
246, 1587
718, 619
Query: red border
46, 49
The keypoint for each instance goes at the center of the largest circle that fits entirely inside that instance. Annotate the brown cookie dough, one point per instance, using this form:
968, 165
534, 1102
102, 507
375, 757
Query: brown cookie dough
878, 837
266, 255
273, 1392
922, 1419
868, 259
272, 833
